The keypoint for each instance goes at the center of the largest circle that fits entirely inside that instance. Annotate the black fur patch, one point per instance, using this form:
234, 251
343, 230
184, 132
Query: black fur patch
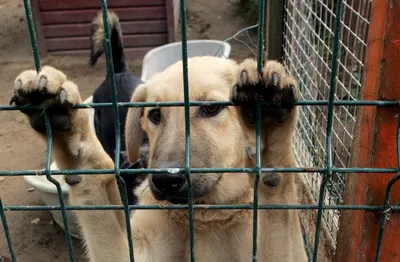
249, 95
58, 113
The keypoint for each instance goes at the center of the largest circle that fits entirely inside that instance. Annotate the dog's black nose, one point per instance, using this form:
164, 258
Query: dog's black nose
169, 184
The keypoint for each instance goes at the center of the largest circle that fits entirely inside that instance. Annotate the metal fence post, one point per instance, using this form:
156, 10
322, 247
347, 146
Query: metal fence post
274, 30
375, 146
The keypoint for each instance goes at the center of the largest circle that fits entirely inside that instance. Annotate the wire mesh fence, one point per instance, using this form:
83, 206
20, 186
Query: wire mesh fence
308, 53
329, 72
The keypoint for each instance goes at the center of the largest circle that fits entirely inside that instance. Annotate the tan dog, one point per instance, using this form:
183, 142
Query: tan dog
220, 137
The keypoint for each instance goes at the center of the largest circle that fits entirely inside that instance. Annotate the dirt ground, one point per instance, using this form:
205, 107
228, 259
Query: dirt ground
20, 148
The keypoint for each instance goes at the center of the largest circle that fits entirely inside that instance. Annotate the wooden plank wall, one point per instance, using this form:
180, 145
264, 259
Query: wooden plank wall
65, 25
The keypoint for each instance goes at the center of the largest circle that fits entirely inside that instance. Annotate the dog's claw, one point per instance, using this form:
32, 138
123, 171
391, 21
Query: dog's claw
63, 96
275, 79
244, 76
73, 179
234, 93
13, 99
293, 88
17, 84
42, 82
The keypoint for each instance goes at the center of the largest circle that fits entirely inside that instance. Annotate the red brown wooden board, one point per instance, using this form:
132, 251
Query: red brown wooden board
49, 5
375, 146
78, 43
132, 27
82, 16
64, 25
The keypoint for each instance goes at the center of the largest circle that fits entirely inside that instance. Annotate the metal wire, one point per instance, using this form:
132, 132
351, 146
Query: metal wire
329, 162
386, 207
205, 207
258, 130
308, 53
58, 186
35, 50
187, 127
32, 34
256, 182
6, 231
117, 126
201, 170
235, 37
224, 103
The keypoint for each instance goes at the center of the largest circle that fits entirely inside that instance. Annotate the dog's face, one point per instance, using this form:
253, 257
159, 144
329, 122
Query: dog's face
216, 137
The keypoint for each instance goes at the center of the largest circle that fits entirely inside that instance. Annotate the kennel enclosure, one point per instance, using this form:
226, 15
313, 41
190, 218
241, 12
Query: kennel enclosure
368, 227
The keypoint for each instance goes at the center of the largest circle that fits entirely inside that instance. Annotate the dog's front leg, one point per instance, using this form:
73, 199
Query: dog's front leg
280, 237
76, 147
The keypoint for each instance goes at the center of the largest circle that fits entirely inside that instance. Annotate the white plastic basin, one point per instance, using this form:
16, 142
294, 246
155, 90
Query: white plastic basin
48, 193
158, 59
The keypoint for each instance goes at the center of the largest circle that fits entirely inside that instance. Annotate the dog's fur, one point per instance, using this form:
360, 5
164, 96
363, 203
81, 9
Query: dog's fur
224, 140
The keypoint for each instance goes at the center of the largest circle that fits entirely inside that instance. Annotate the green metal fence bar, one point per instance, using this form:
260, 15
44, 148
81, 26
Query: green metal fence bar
261, 25
28, 12
205, 207
7, 232
261, 20
187, 126
35, 51
256, 182
29, 19
307, 243
110, 69
200, 170
222, 103
329, 164
387, 208
58, 186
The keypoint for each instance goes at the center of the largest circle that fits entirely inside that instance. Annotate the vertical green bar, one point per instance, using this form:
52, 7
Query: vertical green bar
261, 25
58, 186
7, 232
386, 205
187, 126
261, 21
329, 165
256, 181
110, 68
29, 19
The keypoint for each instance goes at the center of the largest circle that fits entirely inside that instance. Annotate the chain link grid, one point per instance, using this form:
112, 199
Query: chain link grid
309, 27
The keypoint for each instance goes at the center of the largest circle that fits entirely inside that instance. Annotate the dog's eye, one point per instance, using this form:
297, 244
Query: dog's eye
155, 116
210, 110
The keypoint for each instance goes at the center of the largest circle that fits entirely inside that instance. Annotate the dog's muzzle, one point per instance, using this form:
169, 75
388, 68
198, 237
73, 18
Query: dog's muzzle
171, 186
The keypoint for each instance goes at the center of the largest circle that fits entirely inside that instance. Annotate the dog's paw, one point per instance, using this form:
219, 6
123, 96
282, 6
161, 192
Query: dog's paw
49, 89
274, 86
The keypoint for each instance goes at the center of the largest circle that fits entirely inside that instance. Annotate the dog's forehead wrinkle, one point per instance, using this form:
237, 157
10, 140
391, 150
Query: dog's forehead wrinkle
196, 93
168, 85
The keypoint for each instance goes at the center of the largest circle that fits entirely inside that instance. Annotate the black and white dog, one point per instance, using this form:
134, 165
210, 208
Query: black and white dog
126, 83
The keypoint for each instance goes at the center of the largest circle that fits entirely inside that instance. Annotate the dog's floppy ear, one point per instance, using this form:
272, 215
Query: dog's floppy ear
133, 129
